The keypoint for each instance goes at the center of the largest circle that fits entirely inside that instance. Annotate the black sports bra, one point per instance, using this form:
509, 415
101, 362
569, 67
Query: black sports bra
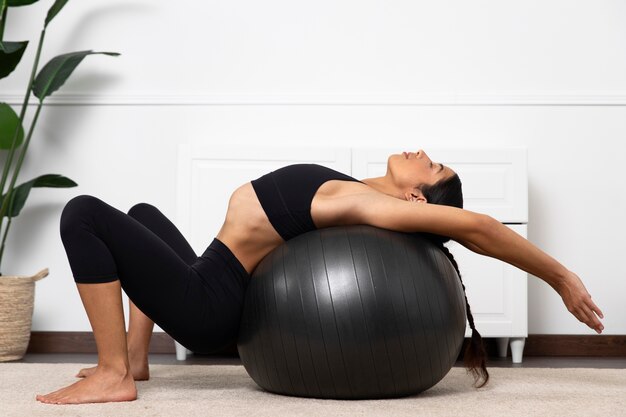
286, 195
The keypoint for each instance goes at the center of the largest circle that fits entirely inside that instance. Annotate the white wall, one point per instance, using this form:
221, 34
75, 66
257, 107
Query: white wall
550, 76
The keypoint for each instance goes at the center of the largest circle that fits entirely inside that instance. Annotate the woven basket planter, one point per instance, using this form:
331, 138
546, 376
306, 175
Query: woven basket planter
17, 295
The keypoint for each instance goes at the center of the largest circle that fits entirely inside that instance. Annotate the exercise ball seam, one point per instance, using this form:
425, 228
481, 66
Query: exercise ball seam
267, 340
332, 303
319, 322
441, 365
408, 261
404, 286
386, 280
404, 295
435, 363
290, 317
443, 266
376, 302
422, 309
280, 331
356, 279
308, 340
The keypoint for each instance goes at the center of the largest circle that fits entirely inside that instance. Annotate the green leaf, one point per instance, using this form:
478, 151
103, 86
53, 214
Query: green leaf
54, 74
10, 55
16, 3
8, 123
53, 181
21, 192
54, 10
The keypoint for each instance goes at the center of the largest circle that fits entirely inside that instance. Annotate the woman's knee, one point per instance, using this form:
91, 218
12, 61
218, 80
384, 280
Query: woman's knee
140, 209
76, 208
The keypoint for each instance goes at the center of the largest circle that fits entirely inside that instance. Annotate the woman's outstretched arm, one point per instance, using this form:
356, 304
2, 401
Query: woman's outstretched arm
481, 234
503, 243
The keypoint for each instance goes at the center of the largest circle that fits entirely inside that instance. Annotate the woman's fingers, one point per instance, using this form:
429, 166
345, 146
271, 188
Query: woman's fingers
595, 308
579, 303
588, 316
591, 309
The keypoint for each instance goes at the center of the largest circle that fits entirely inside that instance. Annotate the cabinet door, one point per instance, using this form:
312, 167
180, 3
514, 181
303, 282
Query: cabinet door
496, 291
208, 175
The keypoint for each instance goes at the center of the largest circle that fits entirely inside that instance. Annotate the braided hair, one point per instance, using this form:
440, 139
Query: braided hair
448, 192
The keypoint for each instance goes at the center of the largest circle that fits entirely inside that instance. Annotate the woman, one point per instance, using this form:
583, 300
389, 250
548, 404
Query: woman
198, 300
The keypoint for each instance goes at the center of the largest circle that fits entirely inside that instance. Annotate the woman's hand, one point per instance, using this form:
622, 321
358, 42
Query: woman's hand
578, 302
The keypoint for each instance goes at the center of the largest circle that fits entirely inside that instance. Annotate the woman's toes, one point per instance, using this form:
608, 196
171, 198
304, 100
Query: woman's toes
43, 399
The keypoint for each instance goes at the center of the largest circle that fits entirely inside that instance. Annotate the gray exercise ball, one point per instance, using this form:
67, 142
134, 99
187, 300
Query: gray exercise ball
354, 312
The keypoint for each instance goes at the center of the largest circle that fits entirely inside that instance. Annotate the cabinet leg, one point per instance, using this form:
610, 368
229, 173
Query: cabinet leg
503, 344
517, 348
181, 351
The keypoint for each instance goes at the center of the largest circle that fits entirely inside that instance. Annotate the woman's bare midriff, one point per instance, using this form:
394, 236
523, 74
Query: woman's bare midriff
249, 234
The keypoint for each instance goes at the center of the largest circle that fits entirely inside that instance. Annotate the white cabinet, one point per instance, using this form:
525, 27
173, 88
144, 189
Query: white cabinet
494, 182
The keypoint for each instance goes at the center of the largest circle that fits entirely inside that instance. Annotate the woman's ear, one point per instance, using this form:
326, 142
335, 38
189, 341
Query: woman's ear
415, 196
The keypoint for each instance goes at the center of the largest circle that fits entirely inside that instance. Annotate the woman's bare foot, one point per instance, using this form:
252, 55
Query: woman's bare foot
138, 368
104, 385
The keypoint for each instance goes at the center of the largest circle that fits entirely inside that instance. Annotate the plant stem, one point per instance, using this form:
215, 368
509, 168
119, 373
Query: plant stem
4, 19
22, 115
10, 195
6, 231
5, 172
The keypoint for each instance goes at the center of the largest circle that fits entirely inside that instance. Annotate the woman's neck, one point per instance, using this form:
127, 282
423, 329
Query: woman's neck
384, 185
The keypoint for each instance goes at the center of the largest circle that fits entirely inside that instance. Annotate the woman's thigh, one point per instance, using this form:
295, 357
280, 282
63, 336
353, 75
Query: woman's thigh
195, 303
152, 218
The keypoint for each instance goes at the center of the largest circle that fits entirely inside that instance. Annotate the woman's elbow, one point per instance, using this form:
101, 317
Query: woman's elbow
477, 232
483, 229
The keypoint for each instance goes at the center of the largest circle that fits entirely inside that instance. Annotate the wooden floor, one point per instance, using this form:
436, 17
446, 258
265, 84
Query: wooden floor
163, 358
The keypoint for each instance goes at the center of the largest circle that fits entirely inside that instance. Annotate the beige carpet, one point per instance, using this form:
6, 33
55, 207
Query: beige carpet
211, 390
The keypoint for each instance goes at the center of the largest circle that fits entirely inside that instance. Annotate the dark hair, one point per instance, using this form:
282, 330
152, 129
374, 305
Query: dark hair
448, 192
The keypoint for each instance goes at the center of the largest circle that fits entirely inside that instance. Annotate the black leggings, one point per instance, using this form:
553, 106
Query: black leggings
196, 300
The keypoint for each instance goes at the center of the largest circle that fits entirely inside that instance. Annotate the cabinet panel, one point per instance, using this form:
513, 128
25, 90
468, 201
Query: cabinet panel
494, 181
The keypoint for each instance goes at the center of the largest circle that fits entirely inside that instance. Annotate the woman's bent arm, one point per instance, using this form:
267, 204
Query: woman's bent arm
484, 235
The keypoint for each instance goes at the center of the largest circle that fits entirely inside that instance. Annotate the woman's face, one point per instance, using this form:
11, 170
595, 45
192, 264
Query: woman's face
415, 169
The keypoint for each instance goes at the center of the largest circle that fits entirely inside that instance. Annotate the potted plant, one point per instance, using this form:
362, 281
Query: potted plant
17, 292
